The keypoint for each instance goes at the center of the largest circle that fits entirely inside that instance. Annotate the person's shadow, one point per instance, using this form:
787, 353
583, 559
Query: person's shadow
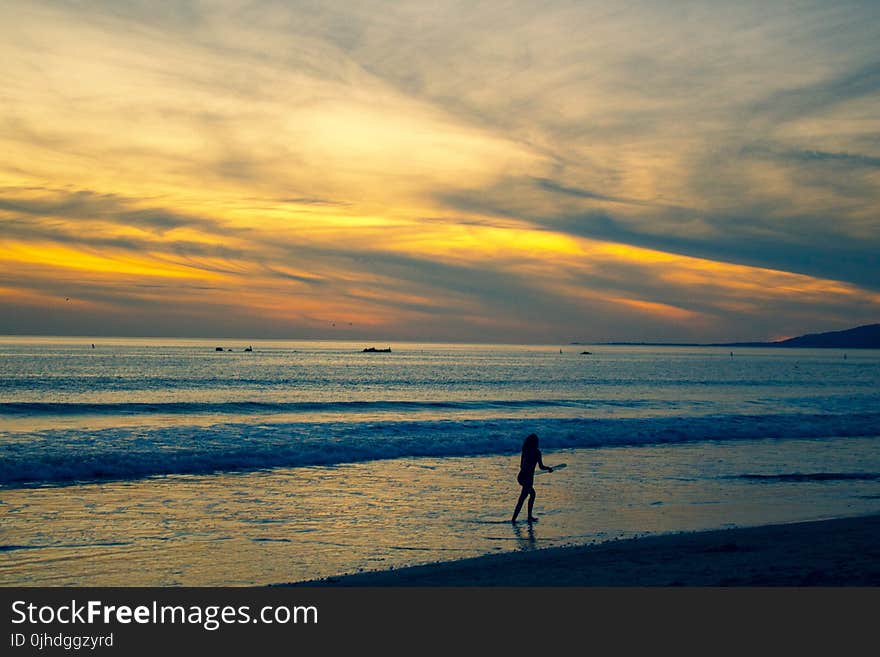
525, 541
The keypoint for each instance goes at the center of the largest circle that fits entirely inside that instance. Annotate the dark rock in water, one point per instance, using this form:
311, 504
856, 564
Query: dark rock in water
218, 348
586, 353
373, 350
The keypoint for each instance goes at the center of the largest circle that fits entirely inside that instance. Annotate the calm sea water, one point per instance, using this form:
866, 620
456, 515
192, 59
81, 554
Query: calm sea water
306, 459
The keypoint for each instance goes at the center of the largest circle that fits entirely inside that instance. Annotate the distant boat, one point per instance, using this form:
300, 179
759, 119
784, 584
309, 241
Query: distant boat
373, 350
218, 348
586, 353
249, 349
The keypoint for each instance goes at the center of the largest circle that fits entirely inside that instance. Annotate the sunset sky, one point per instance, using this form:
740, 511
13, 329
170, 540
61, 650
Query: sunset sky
467, 171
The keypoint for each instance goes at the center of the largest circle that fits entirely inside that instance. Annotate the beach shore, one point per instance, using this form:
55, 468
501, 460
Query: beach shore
836, 552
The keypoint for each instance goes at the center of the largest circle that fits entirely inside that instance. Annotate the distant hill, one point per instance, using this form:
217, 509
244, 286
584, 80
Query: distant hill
861, 337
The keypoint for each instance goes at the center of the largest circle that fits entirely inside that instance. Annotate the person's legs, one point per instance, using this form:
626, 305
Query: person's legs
519, 503
531, 502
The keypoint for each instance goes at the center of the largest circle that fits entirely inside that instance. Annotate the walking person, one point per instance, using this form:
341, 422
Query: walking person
531, 457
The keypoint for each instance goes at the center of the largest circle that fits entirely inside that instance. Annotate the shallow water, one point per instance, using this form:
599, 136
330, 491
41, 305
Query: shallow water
309, 522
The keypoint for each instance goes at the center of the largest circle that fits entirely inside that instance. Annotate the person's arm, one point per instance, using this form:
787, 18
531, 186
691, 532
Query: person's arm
541, 464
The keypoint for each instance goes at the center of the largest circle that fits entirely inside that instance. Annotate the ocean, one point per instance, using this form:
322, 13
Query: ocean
168, 462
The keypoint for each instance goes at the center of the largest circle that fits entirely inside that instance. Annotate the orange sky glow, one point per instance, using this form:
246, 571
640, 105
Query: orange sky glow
280, 170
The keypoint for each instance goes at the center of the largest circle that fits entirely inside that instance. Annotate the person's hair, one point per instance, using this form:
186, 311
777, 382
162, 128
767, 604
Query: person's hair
531, 442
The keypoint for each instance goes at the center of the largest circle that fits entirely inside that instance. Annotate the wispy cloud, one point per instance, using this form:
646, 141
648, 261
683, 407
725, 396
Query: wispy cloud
510, 171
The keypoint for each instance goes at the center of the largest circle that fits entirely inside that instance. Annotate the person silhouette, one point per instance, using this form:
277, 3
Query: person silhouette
531, 457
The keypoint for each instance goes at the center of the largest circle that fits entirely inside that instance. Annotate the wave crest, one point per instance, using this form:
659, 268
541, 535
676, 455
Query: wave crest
69, 456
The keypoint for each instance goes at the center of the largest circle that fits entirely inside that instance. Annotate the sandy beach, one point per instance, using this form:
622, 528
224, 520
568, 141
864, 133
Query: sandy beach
836, 552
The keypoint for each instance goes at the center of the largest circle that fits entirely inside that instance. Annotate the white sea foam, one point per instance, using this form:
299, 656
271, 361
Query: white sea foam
64, 456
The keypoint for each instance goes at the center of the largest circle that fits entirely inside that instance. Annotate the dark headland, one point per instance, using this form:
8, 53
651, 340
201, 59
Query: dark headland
861, 337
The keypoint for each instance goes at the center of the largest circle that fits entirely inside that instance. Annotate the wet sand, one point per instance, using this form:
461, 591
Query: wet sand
837, 552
